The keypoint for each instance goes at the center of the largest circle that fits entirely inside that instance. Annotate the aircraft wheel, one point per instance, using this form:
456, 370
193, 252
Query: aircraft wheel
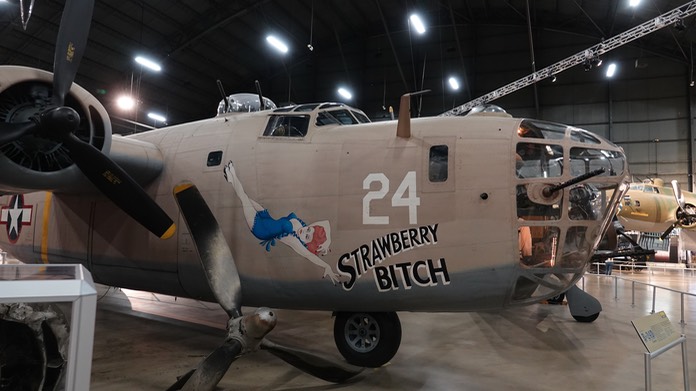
367, 339
587, 319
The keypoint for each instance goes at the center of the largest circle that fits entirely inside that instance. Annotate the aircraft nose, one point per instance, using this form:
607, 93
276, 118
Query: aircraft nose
568, 185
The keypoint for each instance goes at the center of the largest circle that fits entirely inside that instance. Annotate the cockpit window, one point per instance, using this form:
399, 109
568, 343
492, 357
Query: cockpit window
307, 107
325, 119
287, 126
329, 105
343, 116
541, 129
361, 117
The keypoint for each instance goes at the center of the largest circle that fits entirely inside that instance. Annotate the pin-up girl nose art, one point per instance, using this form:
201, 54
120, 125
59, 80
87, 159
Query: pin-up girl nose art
308, 240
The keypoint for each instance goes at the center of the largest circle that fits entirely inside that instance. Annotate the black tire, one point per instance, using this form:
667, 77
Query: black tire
587, 319
367, 339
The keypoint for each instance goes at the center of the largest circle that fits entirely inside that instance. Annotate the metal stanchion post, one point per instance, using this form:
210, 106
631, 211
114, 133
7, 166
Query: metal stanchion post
648, 356
633, 293
653, 307
685, 364
648, 370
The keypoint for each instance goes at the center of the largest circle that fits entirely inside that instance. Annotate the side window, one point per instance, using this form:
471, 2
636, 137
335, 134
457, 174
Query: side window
287, 126
325, 119
214, 158
437, 169
344, 117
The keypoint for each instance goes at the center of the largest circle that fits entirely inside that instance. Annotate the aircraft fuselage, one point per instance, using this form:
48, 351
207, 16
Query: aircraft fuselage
426, 223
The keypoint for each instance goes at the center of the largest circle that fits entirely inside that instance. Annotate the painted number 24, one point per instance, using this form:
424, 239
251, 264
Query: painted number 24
405, 195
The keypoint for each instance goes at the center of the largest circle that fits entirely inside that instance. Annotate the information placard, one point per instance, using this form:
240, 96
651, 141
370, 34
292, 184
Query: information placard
656, 331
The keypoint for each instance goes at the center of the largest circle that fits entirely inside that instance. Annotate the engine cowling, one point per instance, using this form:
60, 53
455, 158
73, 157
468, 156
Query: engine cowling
40, 162
686, 218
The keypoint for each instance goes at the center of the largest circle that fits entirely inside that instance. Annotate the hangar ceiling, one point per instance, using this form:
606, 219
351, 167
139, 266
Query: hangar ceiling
364, 44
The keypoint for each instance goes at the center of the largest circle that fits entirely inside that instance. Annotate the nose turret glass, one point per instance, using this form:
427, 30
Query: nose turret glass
569, 184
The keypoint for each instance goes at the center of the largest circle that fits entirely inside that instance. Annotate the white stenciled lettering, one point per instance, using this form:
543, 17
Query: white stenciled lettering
405, 195
374, 195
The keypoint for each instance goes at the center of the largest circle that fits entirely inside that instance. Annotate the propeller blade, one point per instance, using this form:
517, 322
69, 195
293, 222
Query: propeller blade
221, 272
13, 131
70, 46
678, 194
668, 231
211, 370
215, 254
312, 363
181, 380
119, 187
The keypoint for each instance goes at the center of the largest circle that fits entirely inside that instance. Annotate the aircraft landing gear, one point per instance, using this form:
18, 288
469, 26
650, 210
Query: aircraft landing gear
367, 339
583, 307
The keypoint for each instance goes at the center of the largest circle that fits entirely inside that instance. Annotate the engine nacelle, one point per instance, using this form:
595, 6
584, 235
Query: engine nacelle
688, 221
39, 162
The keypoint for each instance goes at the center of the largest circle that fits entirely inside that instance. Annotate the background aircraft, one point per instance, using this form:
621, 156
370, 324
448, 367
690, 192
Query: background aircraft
303, 207
651, 206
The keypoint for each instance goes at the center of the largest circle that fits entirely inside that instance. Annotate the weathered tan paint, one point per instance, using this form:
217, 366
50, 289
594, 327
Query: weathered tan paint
319, 177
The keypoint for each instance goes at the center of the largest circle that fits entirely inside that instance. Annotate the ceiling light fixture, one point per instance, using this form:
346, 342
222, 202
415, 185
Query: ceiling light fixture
149, 64
611, 70
633, 3
417, 23
596, 61
157, 117
553, 79
125, 102
453, 83
345, 93
277, 44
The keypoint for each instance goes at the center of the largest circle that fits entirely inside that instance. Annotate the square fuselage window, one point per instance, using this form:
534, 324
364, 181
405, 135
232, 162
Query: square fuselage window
437, 169
214, 158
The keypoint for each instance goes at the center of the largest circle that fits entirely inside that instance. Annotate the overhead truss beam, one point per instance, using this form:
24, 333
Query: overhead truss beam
666, 19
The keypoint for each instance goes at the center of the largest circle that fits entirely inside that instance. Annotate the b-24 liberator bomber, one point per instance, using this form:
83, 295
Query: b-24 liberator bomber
309, 206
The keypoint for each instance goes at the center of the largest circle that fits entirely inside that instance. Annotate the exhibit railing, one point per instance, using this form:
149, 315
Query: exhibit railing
654, 287
650, 266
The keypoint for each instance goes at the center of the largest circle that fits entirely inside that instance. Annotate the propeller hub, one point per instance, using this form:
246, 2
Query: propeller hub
59, 120
249, 330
